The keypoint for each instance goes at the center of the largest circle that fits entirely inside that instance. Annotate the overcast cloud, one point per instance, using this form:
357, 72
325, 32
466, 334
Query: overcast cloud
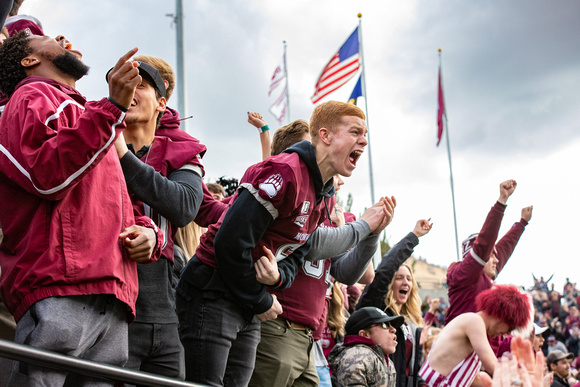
511, 79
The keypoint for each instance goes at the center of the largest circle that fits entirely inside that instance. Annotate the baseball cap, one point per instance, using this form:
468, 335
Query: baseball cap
151, 74
551, 338
557, 355
467, 245
538, 330
367, 316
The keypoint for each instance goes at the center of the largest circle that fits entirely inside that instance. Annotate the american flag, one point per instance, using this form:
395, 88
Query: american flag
342, 67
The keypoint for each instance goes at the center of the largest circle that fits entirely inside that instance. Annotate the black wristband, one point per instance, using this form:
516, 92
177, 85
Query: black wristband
121, 108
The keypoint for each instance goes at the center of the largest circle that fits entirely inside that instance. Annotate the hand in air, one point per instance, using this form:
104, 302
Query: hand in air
422, 227
123, 80
256, 119
520, 368
506, 189
389, 204
527, 213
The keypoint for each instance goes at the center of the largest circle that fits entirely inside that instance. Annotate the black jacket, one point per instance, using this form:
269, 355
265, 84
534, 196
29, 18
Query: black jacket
559, 381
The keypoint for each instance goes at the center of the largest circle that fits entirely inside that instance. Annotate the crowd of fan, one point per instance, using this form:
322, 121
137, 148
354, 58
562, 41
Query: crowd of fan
559, 313
556, 321
553, 310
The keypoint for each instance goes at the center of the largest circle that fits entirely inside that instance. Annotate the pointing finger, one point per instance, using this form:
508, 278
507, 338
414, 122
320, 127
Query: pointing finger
125, 58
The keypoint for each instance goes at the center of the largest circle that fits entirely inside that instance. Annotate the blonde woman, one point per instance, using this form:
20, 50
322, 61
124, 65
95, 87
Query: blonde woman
185, 244
395, 290
335, 319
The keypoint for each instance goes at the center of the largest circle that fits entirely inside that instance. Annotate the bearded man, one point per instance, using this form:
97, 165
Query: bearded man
71, 241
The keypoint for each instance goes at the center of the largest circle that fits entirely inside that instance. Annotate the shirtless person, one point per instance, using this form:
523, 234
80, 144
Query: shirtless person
462, 346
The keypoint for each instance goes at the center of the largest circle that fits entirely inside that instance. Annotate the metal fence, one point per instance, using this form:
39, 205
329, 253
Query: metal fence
54, 360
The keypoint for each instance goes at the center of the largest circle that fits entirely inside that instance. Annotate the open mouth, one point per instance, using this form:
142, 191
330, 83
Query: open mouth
133, 102
68, 47
354, 156
404, 293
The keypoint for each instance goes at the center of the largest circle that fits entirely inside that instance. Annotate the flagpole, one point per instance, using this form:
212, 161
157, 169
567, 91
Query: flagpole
364, 92
377, 256
449, 157
287, 84
181, 91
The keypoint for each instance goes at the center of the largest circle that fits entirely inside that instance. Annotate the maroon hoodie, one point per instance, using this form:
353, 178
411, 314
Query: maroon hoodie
210, 210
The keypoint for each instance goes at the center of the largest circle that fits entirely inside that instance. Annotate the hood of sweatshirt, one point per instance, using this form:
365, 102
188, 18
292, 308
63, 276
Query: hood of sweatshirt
305, 151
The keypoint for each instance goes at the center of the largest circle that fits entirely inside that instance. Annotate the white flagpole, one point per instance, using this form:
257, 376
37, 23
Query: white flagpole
181, 88
449, 157
364, 92
287, 85
377, 256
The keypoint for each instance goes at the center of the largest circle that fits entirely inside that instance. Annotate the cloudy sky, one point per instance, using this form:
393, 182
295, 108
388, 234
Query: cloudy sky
511, 78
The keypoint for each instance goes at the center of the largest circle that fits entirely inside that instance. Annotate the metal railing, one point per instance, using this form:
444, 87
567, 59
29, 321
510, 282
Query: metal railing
58, 361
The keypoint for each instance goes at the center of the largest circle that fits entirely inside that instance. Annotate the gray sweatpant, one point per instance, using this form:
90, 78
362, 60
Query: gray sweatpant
91, 327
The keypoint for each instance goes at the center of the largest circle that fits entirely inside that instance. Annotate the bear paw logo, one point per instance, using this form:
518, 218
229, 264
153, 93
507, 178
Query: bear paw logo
272, 185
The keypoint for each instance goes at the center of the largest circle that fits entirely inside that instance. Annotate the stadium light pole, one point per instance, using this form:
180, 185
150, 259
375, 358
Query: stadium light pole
179, 44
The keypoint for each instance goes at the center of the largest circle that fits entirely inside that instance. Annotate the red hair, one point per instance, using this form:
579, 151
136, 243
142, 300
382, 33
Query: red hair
508, 304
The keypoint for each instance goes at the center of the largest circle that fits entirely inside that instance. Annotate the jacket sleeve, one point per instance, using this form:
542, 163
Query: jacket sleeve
467, 271
332, 241
177, 197
242, 228
144, 221
60, 149
485, 241
506, 245
375, 293
349, 267
5, 7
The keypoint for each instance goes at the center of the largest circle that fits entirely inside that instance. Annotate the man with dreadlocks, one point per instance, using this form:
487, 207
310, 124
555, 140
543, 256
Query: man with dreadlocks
70, 238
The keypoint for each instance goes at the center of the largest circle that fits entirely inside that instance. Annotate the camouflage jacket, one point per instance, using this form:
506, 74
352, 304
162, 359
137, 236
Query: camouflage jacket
361, 365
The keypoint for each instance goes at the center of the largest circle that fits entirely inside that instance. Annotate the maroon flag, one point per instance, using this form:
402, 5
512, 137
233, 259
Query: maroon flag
440, 110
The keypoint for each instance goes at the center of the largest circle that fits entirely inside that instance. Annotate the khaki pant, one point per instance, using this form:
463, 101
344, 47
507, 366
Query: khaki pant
285, 356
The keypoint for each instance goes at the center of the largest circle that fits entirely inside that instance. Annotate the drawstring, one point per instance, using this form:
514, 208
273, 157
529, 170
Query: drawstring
327, 211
